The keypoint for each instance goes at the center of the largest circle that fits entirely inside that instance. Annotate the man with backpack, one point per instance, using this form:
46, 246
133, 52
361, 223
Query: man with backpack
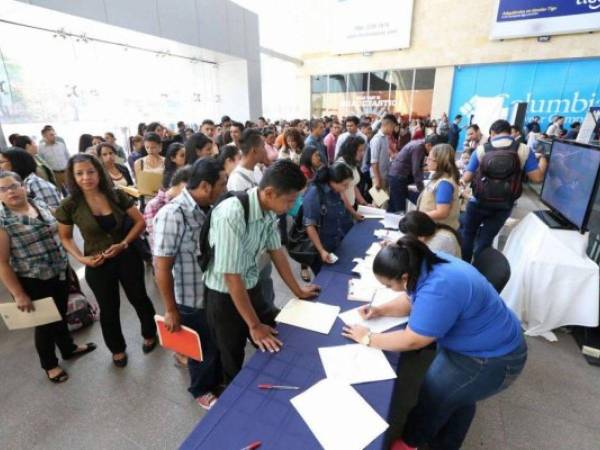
177, 228
240, 230
497, 170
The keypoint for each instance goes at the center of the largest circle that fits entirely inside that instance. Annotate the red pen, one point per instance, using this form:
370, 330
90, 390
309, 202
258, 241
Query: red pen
253, 446
274, 386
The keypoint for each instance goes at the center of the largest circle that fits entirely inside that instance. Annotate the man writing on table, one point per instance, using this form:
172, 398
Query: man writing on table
234, 305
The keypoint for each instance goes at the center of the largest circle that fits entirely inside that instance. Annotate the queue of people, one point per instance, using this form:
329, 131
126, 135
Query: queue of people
218, 224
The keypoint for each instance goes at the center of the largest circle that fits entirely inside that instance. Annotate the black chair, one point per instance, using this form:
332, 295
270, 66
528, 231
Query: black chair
493, 265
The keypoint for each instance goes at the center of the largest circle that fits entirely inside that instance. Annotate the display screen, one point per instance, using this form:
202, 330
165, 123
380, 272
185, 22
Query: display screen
570, 180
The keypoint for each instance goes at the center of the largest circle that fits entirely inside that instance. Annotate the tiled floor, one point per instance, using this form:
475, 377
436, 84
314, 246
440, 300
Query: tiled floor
554, 405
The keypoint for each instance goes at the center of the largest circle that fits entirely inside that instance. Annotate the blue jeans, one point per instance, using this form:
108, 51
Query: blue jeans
480, 227
205, 376
452, 386
399, 193
266, 284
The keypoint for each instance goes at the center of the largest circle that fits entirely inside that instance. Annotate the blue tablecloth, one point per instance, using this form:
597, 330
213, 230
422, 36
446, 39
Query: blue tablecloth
245, 414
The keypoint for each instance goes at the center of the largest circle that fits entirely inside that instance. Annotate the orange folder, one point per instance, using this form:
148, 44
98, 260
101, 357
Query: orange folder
185, 341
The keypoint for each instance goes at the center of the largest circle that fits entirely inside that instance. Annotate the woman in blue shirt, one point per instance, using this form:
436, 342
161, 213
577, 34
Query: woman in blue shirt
324, 214
481, 349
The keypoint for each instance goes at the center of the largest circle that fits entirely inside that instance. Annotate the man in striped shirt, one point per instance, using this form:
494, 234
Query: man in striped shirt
235, 306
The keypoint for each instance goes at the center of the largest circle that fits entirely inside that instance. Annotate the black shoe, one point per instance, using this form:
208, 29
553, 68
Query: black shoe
89, 347
120, 362
60, 378
147, 348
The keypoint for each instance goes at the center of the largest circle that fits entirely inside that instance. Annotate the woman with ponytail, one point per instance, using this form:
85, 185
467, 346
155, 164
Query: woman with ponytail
438, 237
481, 349
324, 214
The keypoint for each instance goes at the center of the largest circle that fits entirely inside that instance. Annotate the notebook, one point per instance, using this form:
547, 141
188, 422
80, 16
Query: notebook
15, 319
185, 341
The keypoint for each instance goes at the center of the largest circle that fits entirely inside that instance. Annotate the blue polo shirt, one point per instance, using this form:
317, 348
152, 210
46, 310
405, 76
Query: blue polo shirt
455, 304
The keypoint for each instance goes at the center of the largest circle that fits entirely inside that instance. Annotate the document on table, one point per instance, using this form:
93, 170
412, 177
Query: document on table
15, 319
377, 325
356, 363
338, 416
388, 235
310, 315
379, 196
371, 213
374, 249
391, 221
365, 290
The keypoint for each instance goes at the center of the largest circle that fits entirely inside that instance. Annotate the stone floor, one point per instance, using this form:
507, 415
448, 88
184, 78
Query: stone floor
554, 405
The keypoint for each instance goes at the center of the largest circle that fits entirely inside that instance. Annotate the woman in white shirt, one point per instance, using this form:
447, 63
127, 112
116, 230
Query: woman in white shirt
437, 236
293, 146
351, 154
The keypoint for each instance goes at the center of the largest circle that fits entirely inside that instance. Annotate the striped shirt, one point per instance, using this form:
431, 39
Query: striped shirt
237, 247
35, 251
177, 234
43, 190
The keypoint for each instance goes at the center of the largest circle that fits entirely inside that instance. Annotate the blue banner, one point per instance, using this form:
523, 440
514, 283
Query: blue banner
515, 10
567, 88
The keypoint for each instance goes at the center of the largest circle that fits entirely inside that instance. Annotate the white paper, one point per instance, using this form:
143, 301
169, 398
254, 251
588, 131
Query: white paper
371, 212
15, 319
377, 325
310, 315
338, 416
374, 249
388, 235
391, 221
365, 290
379, 196
356, 363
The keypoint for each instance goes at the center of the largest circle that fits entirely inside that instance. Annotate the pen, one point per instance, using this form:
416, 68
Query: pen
371, 302
274, 386
253, 446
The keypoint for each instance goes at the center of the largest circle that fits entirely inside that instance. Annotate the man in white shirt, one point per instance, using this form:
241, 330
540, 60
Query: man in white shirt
54, 151
556, 129
351, 130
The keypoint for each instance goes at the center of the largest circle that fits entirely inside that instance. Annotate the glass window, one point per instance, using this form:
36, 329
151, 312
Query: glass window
424, 78
379, 81
318, 84
401, 80
358, 82
337, 83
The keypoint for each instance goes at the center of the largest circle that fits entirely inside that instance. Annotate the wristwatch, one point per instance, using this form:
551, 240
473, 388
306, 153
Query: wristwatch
366, 339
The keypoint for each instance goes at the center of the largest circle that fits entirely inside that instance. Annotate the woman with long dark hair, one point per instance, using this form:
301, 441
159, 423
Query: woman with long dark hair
438, 237
174, 160
481, 349
85, 142
102, 214
118, 173
324, 214
196, 147
310, 162
351, 153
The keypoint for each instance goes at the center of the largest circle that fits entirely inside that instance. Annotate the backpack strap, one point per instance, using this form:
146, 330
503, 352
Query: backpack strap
247, 178
481, 151
244, 199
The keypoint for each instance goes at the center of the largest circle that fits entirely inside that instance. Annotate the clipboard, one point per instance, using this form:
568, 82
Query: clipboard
185, 341
379, 196
129, 190
148, 183
15, 319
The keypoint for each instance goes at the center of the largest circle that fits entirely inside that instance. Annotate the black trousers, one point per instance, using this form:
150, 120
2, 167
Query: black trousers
128, 269
52, 334
229, 329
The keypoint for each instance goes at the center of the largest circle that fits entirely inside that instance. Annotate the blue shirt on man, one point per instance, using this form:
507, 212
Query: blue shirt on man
458, 306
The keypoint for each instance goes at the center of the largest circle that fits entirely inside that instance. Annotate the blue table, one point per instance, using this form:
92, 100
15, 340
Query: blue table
245, 414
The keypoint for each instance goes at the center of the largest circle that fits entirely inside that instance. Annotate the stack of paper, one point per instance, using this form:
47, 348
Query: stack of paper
387, 235
338, 416
356, 363
391, 221
374, 249
371, 213
312, 316
364, 290
379, 196
377, 325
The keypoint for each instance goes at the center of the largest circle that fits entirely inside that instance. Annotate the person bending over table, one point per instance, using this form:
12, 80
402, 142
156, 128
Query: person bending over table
33, 266
326, 218
235, 308
481, 349
437, 236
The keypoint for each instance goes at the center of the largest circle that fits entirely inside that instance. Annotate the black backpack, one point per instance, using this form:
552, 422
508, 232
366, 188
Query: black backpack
498, 182
206, 251
299, 246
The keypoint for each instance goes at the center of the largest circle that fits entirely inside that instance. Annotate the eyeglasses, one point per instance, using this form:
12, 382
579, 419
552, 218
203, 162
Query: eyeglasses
10, 187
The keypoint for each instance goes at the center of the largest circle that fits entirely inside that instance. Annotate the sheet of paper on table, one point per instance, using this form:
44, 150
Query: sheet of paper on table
338, 416
371, 213
377, 325
356, 363
391, 221
365, 290
15, 319
374, 249
379, 196
388, 235
310, 315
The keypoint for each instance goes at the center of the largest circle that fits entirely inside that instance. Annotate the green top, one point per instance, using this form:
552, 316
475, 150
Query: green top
74, 210
237, 250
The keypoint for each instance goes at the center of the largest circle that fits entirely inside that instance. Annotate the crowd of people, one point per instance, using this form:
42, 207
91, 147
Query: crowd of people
229, 197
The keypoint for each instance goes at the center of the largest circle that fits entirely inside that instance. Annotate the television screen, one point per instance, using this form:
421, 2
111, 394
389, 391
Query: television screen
571, 180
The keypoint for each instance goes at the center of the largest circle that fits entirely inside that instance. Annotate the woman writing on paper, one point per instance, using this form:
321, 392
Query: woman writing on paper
324, 214
440, 198
351, 154
481, 349
33, 266
102, 214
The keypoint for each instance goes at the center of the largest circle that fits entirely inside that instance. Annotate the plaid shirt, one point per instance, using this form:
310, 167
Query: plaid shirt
42, 190
35, 251
150, 212
177, 234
